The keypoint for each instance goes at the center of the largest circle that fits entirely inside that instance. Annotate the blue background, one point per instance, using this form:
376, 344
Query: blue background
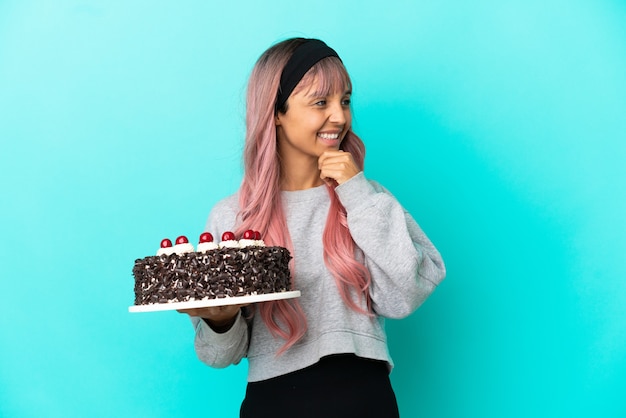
501, 126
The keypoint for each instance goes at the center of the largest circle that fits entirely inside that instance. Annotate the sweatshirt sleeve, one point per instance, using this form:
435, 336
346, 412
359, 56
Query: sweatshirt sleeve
404, 265
221, 349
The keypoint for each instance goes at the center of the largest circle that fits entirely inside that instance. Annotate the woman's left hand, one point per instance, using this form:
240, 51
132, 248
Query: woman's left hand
337, 165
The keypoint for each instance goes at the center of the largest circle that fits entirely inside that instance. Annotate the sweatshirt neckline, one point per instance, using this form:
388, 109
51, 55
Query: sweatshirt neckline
314, 193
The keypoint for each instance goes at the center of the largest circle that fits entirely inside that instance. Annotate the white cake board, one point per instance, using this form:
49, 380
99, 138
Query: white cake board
205, 303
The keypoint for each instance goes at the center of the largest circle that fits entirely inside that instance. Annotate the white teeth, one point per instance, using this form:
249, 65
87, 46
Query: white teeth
328, 136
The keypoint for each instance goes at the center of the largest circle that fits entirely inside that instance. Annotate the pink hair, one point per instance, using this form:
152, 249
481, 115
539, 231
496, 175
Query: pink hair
259, 196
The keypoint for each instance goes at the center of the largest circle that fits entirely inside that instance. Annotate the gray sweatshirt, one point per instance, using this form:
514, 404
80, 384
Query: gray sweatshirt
404, 265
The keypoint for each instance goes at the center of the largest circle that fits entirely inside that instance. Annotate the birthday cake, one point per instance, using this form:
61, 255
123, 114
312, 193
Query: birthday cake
230, 268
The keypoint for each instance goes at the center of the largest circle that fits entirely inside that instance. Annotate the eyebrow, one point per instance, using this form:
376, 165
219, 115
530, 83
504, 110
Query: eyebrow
315, 94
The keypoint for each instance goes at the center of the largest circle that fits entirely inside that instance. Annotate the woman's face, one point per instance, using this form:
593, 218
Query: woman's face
314, 122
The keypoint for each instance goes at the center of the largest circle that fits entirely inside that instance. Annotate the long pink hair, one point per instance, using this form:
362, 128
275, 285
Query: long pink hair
259, 196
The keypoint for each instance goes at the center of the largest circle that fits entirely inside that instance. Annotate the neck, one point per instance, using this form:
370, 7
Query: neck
299, 175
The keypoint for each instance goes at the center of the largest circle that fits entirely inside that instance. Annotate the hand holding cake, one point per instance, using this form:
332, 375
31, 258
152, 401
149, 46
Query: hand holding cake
219, 318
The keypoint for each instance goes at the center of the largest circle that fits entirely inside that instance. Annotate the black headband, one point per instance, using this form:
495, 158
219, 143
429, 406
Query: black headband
304, 57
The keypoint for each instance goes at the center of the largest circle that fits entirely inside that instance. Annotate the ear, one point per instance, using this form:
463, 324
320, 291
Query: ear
277, 119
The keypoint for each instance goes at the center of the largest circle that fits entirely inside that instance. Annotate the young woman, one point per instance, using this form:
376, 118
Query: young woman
359, 256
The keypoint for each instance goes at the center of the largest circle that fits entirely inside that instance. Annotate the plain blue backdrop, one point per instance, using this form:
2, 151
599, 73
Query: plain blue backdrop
501, 126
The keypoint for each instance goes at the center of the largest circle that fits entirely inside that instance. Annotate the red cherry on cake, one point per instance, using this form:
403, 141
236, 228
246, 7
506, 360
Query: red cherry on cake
166, 243
249, 234
257, 235
206, 237
228, 236
182, 240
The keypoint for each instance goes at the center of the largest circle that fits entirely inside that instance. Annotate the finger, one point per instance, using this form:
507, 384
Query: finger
339, 171
336, 176
330, 156
344, 159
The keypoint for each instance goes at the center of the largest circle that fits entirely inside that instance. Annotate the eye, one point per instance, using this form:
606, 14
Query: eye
346, 101
320, 102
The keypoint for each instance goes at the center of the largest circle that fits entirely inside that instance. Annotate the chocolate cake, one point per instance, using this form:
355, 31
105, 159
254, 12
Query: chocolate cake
232, 268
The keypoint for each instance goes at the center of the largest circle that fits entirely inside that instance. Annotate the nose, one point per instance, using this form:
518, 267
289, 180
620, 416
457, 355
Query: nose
337, 113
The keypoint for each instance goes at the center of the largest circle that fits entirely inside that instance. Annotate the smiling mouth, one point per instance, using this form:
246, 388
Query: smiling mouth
328, 136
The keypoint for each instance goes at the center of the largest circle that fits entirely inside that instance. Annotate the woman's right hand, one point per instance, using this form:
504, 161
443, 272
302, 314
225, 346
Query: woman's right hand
219, 318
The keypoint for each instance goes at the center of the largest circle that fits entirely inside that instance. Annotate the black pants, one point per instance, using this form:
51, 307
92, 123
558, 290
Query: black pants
341, 386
